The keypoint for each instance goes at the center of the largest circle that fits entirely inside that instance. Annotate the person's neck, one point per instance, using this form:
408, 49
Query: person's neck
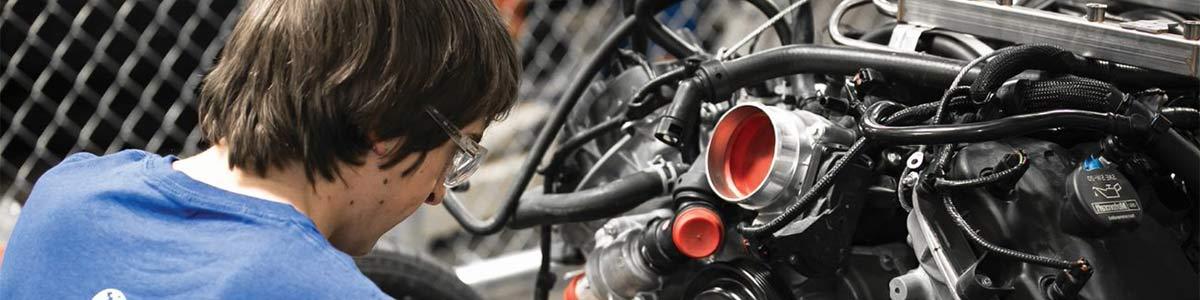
284, 185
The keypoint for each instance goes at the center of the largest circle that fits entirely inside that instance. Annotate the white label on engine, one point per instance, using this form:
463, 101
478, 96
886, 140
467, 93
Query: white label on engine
1108, 207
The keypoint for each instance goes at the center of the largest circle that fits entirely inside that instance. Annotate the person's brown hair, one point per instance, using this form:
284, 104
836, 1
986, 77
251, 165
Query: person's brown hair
314, 81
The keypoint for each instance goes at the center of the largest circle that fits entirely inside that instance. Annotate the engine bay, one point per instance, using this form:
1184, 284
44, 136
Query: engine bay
962, 149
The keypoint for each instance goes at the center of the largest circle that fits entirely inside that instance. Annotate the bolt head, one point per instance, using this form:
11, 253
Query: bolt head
915, 160
1095, 12
985, 281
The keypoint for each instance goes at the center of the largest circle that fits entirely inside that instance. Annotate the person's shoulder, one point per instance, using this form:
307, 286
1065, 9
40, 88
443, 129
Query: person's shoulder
108, 161
82, 174
88, 167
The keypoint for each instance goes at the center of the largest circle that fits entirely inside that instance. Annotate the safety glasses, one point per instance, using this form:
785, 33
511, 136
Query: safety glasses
466, 159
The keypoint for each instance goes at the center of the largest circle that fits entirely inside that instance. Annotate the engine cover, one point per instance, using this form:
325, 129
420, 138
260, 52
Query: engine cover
1131, 263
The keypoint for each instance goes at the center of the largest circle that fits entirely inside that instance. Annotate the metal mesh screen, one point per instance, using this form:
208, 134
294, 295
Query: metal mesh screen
101, 76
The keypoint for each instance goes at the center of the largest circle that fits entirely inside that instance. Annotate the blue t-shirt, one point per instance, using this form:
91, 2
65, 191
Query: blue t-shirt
128, 224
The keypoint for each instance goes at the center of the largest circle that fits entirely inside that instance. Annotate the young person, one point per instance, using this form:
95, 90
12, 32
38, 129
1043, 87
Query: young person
330, 121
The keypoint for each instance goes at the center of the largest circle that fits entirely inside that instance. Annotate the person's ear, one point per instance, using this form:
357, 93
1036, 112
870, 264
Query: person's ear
382, 147
379, 149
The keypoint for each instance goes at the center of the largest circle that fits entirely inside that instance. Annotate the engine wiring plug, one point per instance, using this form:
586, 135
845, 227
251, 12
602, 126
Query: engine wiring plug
1068, 282
678, 126
679, 122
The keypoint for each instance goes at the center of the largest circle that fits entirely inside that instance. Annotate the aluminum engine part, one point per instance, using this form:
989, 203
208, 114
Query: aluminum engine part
761, 157
615, 269
1105, 40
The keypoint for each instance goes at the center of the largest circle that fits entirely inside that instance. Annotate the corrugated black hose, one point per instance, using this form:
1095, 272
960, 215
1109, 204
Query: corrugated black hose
1063, 92
1011, 61
1011, 126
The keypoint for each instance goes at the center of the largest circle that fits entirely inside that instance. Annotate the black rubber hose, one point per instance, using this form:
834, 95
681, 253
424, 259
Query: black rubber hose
879, 35
639, 107
813, 193
725, 77
566, 102
637, 39
947, 46
545, 278
1018, 255
803, 86
1174, 152
596, 203
1182, 117
782, 28
1002, 175
994, 129
645, 13
1178, 156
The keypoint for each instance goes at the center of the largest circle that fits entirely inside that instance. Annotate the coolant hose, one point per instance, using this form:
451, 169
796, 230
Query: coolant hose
1179, 156
1182, 117
994, 129
596, 203
725, 77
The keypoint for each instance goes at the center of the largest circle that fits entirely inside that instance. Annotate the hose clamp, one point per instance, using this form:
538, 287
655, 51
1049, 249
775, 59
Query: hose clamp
667, 172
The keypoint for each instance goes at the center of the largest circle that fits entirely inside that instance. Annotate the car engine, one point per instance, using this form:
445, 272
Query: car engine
960, 149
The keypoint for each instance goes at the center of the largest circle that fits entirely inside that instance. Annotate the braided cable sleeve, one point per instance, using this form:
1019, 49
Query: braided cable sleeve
1065, 92
918, 113
1009, 173
1018, 255
1011, 61
792, 211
